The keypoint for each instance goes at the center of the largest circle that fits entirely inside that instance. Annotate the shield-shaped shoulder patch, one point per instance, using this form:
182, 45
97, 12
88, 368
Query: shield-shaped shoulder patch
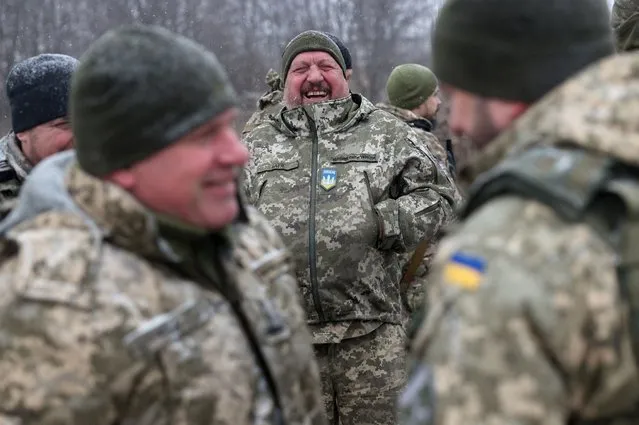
328, 178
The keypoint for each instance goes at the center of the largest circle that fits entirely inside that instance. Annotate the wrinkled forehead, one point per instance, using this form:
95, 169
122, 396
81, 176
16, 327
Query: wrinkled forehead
313, 58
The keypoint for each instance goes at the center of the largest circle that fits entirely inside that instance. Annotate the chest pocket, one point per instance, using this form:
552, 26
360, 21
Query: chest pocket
265, 310
280, 175
355, 171
278, 166
171, 330
268, 283
366, 158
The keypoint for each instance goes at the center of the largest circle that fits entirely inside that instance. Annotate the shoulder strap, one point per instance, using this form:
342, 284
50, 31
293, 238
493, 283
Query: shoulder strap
625, 239
450, 155
413, 264
565, 179
616, 211
418, 256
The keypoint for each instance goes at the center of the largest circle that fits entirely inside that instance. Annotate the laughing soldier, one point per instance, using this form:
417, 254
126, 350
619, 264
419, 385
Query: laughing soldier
350, 192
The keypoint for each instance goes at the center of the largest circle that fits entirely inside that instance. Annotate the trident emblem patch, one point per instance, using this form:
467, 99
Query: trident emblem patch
329, 178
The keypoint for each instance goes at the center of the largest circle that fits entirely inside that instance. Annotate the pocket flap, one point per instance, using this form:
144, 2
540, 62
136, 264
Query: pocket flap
354, 157
162, 330
278, 165
55, 292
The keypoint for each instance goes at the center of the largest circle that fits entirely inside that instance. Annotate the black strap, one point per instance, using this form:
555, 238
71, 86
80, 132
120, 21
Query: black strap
6, 172
450, 154
227, 287
235, 302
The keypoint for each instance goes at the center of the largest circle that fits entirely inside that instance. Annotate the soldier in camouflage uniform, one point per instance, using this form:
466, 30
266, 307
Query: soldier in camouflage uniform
38, 93
413, 97
625, 23
137, 289
271, 102
350, 191
526, 318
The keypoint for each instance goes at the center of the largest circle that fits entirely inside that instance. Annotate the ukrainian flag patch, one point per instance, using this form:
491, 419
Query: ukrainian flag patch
464, 270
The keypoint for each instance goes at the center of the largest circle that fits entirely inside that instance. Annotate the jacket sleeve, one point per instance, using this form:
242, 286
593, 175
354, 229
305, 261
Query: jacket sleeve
248, 173
524, 326
63, 358
420, 198
50, 363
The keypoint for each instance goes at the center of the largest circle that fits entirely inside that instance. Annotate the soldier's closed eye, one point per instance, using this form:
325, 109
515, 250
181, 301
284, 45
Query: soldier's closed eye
62, 124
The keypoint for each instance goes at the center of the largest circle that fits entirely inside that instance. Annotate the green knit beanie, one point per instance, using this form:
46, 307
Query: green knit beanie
310, 41
139, 89
518, 50
410, 85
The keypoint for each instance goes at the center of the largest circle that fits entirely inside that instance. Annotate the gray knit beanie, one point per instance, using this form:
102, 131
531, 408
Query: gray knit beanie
138, 90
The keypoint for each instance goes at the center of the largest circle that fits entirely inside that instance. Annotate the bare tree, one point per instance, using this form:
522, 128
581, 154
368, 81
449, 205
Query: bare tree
247, 35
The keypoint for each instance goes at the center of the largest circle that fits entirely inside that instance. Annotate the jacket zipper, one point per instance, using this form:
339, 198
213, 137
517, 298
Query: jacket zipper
312, 247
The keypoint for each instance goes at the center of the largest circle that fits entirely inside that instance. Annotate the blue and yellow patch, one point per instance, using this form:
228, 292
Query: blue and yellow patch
464, 270
328, 178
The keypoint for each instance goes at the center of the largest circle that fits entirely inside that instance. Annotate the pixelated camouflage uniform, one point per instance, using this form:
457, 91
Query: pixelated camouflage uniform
269, 104
625, 23
109, 315
348, 236
415, 121
415, 292
14, 168
535, 331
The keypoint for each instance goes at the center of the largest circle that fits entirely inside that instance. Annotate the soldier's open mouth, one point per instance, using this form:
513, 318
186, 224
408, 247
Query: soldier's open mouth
316, 94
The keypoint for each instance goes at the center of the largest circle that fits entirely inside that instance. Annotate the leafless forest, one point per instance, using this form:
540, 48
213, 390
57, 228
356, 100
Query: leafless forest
247, 35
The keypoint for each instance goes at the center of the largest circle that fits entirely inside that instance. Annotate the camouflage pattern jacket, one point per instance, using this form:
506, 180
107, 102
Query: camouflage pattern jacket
526, 323
109, 316
415, 121
350, 191
14, 168
415, 293
269, 104
625, 23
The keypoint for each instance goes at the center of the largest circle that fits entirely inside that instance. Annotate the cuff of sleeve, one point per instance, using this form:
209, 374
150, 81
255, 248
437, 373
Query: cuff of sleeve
389, 232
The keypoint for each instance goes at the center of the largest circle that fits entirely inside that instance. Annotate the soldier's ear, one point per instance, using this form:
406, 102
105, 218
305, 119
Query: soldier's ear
348, 74
123, 178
